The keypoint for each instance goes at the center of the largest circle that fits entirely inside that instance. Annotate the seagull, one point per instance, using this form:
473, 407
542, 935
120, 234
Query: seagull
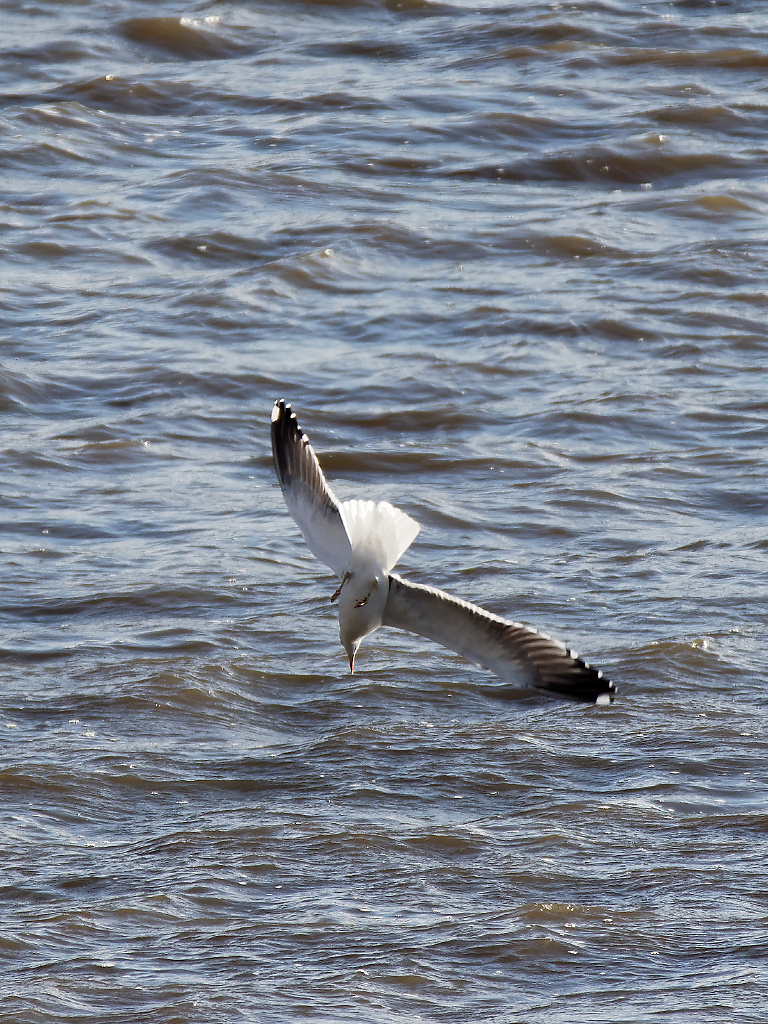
361, 541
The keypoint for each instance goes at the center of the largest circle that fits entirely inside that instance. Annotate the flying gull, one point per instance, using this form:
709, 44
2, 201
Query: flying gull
362, 540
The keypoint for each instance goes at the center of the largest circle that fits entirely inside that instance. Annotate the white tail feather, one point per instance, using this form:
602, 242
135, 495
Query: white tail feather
378, 531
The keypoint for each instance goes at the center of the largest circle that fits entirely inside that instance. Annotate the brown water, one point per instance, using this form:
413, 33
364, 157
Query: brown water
509, 263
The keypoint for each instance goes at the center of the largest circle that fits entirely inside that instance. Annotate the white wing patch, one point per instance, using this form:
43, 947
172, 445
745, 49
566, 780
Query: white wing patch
378, 532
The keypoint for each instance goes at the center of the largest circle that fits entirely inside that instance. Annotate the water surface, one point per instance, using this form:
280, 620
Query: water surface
508, 261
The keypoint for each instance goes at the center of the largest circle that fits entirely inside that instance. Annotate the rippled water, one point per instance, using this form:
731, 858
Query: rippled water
508, 261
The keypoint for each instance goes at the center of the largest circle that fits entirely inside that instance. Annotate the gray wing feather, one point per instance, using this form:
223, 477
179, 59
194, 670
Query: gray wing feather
307, 495
516, 653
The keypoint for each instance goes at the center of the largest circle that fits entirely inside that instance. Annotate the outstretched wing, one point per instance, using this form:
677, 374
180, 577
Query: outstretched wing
307, 495
516, 653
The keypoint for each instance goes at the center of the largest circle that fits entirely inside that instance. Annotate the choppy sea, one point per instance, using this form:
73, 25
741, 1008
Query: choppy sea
509, 262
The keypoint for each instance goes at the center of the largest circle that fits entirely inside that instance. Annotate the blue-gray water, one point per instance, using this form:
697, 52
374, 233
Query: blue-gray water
509, 263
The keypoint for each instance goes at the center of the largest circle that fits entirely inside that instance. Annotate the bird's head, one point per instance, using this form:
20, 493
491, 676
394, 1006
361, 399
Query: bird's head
361, 608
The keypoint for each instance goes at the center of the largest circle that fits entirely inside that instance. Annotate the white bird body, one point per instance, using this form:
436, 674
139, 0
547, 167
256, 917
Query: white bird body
362, 541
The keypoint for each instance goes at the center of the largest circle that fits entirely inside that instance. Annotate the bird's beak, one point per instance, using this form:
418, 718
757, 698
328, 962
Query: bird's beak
352, 664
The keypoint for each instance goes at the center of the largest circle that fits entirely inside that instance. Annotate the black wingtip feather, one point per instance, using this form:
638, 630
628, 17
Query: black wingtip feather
563, 671
285, 433
578, 680
293, 456
279, 437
